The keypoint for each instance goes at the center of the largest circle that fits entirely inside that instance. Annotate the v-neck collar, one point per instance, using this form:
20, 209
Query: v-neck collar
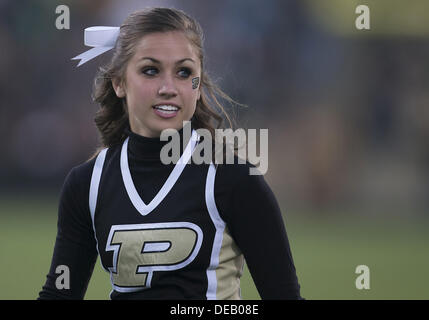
135, 198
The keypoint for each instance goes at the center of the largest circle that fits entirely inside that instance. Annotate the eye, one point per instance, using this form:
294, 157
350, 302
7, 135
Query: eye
150, 71
184, 72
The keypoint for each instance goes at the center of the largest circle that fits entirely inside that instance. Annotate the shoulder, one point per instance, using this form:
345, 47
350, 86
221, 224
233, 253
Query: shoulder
241, 196
237, 173
80, 174
78, 179
75, 189
235, 184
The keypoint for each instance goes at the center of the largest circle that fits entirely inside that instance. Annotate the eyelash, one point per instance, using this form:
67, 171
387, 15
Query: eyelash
187, 70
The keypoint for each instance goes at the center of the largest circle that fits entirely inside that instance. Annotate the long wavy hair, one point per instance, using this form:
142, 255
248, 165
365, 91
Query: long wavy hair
112, 117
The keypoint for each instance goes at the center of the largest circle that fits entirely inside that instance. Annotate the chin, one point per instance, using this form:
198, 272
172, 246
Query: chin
164, 126
173, 124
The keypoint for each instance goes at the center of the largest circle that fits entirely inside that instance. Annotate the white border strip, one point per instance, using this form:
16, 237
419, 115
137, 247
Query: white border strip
220, 227
135, 198
93, 193
95, 183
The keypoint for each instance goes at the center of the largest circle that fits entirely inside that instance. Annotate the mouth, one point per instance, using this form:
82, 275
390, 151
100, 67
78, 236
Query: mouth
166, 110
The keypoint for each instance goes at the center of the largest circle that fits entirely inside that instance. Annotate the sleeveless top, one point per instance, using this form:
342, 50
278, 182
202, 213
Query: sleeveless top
177, 241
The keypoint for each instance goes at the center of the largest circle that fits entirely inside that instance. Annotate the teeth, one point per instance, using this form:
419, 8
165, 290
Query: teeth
167, 108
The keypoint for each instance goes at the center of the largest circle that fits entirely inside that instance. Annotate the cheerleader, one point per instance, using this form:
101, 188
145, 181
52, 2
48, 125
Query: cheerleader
176, 231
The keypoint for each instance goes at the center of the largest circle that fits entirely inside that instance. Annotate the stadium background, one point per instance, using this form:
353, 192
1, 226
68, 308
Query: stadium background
347, 113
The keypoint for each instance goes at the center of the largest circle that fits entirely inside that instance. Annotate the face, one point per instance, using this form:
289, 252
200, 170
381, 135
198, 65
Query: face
158, 83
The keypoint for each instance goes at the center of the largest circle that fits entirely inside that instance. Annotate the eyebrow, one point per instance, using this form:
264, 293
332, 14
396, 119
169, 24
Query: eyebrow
157, 61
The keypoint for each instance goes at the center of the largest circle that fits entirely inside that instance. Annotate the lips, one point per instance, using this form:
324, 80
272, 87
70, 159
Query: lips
166, 110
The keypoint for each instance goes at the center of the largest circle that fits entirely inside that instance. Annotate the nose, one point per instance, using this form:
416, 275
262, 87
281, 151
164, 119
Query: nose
167, 88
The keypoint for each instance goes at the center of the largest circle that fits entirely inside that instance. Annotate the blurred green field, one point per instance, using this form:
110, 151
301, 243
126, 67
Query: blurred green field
326, 251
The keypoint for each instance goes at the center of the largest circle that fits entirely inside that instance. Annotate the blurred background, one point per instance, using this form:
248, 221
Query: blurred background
347, 112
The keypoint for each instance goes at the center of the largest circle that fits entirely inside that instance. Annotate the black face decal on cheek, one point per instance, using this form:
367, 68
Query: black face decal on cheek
195, 82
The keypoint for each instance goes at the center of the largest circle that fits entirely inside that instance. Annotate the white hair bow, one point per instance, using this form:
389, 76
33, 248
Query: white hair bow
102, 39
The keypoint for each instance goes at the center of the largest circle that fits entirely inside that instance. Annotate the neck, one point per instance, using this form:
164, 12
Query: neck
149, 148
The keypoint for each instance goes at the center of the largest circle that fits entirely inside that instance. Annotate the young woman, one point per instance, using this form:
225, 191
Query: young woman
178, 231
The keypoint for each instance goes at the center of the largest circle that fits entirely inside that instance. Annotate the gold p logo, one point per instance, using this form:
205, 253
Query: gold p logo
141, 249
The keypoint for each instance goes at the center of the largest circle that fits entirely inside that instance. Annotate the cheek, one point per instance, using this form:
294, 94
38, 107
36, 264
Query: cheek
142, 93
191, 95
191, 103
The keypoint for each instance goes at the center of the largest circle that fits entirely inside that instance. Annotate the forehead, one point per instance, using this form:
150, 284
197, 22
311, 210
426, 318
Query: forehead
165, 47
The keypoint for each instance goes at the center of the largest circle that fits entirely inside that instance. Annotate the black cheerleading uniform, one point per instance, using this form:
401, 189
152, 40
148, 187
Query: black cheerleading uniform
178, 231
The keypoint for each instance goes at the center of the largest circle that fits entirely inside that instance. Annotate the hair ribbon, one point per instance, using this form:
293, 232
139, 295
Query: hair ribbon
101, 38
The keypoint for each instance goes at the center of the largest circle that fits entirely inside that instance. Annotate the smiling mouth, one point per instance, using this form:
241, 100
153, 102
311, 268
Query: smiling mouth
166, 111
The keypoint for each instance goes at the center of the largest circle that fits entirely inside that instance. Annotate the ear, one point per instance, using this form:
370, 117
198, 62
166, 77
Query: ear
118, 86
